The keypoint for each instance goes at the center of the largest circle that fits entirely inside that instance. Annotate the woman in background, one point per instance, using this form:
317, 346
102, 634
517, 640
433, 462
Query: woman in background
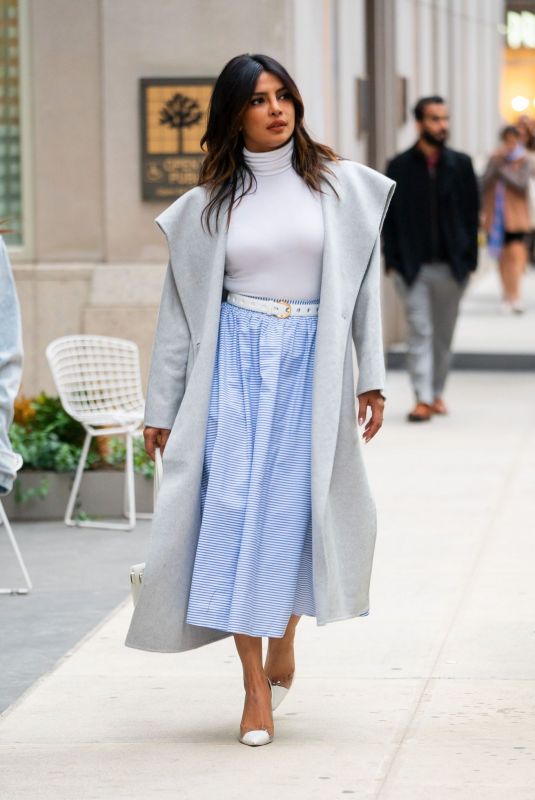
526, 126
506, 214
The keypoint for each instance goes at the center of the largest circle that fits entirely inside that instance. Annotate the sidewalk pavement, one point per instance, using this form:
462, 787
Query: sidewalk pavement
482, 328
78, 574
431, 697
485, 337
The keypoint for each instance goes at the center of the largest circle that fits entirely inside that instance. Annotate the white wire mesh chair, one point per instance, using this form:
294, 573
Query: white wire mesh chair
99, 383
11, 536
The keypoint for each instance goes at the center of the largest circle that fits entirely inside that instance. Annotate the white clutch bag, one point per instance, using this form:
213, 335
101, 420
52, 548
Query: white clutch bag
136, 571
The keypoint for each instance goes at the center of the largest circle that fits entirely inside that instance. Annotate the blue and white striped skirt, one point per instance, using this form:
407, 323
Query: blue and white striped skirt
253, 566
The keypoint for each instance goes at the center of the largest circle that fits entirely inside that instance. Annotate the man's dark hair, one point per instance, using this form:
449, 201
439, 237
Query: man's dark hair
509, 130
423, 102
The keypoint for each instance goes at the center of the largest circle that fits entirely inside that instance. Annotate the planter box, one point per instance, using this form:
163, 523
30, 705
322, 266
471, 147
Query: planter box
101, 495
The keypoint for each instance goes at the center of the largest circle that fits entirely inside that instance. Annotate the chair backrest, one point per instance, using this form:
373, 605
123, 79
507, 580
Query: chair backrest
97, 377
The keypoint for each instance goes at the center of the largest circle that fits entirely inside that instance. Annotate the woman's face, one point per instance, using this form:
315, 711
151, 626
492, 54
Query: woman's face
269, 119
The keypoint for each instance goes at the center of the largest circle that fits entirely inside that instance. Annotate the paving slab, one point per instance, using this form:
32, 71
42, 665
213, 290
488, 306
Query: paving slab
484, 328
468, 739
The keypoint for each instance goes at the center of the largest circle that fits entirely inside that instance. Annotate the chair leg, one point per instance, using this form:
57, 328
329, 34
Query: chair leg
130, 491
129, 499
77, 481
125, 482
126, 512
11, 535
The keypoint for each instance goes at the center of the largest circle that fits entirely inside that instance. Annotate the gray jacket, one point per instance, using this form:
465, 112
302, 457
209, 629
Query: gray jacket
343, 511
10, 367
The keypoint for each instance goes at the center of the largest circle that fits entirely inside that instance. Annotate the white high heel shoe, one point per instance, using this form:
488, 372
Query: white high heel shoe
278, 693
260, 737
256, 738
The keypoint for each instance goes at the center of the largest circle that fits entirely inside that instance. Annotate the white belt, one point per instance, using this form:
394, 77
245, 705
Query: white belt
277, 308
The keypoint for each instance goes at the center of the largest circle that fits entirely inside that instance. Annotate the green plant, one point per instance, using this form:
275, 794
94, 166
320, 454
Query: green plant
44, 450
32, 493
116, 454
48, 438
50, 416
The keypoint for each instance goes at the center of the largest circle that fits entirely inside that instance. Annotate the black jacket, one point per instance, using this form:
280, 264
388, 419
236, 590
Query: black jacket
408, 227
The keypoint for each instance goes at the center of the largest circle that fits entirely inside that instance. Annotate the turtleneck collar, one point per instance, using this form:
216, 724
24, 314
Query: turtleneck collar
270, 162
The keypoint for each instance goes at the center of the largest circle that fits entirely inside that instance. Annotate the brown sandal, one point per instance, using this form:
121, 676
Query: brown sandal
422, 412
439, 406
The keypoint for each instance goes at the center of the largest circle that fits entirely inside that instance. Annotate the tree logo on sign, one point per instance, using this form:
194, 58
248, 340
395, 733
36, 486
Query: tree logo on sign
180, 112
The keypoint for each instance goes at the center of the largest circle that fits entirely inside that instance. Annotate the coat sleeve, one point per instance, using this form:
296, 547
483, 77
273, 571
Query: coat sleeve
367, 327
10, 367
167, 376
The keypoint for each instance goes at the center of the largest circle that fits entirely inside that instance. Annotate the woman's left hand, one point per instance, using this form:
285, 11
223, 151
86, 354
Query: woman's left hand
375, 400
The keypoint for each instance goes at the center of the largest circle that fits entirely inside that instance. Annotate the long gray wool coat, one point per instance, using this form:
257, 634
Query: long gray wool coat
343, 511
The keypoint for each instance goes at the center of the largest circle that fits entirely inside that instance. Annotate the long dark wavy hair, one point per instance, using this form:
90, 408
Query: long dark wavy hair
223, 170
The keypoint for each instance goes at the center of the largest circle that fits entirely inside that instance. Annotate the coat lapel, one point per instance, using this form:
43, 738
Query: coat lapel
197, 259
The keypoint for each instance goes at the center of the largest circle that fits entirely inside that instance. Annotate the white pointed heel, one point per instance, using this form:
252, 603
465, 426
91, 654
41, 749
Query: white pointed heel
278, 693
256, 738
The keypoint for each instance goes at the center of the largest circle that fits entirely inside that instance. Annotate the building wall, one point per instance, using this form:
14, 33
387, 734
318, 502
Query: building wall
327, 54
97, 259
65, 88
453, 48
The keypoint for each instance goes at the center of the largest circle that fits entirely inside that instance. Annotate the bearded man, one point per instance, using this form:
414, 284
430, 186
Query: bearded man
430, 244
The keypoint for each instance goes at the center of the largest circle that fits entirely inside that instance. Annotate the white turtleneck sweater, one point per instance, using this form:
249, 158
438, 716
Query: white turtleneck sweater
275, 238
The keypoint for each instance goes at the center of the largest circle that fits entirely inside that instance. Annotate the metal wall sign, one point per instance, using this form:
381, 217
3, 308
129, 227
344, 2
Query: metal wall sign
173, 119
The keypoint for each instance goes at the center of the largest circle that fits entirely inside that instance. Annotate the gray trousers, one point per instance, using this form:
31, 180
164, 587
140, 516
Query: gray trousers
431, 307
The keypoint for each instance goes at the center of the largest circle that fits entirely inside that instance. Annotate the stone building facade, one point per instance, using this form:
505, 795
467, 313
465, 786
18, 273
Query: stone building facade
88, 257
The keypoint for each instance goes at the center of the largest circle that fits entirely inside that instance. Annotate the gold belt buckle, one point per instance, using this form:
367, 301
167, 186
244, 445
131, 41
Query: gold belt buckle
288, 311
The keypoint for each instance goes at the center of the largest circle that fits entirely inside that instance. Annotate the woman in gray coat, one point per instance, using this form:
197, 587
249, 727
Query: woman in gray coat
264, 512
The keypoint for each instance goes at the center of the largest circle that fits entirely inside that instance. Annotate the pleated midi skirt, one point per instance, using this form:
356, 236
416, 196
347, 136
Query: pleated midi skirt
253, 565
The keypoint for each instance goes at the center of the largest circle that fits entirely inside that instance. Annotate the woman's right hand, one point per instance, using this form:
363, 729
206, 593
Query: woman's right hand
155, 437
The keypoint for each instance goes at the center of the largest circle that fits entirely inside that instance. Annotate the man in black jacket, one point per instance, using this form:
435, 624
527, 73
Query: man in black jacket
430, 243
